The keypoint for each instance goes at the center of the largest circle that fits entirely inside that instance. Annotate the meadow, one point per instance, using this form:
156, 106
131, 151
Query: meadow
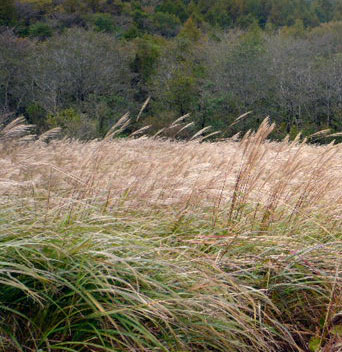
149, 244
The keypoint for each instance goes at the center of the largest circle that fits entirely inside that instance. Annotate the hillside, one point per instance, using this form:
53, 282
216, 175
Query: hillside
166, 16
82, 64
207, 218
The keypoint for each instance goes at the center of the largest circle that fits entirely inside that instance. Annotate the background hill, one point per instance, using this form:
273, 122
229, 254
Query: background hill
81, 64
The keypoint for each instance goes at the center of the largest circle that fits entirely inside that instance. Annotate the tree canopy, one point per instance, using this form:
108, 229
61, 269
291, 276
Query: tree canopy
86, 62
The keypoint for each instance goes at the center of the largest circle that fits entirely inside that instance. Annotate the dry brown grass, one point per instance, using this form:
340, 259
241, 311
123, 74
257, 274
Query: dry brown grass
266, 213
279, 181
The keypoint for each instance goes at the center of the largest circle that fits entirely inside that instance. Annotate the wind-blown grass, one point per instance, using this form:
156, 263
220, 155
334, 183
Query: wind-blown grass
93, 287
153, 245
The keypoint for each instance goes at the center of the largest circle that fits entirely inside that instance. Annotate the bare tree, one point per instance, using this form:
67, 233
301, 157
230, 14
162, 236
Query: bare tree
14, 70
78, 65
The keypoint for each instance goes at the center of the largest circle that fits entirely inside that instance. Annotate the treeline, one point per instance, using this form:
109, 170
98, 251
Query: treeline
132, 18
82, 64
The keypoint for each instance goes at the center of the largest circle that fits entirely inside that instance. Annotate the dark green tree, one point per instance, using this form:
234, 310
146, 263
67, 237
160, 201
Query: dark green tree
40, 30
174, 7
7, 12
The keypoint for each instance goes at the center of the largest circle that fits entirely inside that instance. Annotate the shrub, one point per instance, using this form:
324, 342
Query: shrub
73, 124
40, 30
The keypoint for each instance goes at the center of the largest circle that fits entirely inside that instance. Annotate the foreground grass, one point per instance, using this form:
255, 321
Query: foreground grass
144, 245
95, 286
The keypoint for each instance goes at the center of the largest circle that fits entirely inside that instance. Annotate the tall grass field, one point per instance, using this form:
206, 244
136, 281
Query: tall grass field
147, 244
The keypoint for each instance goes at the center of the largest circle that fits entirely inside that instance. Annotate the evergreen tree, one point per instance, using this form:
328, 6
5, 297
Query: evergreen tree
7, 12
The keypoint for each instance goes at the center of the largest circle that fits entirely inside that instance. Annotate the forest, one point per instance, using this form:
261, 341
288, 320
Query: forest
81, 65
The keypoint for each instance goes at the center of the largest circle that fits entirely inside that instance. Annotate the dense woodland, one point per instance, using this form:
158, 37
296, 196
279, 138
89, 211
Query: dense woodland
81, 64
